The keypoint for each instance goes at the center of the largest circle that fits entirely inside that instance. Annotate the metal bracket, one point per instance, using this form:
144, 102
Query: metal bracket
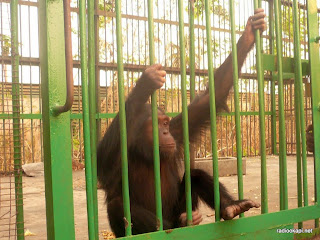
68, 55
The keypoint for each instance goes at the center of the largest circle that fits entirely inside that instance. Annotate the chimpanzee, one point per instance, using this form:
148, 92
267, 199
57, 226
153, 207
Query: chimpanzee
140, 151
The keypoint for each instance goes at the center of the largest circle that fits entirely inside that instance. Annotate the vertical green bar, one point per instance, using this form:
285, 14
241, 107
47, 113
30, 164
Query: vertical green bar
298, 151
123, 127
314, 56
213, 115
185, 114
86, 118
298, 146
16, 120
92, 110
192, 72
155, 129
236, 101
97, 72
273, 84
282, 128
264, 186
56, 129
299, 86
192, 51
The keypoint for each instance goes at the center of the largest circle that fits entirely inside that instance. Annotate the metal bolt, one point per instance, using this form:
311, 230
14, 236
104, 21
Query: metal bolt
317, 39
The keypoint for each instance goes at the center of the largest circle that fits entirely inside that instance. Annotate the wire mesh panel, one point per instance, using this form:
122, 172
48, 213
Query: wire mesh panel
7, 187
20, 114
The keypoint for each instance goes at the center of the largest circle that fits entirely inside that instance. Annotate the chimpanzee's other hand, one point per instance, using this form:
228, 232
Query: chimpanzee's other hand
255, 22
153, 78
196, 218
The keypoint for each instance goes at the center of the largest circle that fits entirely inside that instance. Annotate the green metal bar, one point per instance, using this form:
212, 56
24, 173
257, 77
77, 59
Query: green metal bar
264, 187
16, 120
270, 63
299, 86
255, 227
273, 84
22, 116
56, 130
298, 152
213, 115
123, 127
243, 113
86, 118
185, 114
192, 72
97, 72
155, 129
313, 33
93, 110
192, 52
282, 127
236, 102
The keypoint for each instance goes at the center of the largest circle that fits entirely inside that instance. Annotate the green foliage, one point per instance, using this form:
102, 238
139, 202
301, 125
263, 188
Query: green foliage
5, 42
106, 6
215, 7
288, 26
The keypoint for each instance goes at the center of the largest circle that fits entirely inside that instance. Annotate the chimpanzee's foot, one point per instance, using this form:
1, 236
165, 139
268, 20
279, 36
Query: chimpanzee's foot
237, 207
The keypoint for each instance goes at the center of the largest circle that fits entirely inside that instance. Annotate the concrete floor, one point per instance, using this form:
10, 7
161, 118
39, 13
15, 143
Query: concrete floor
34, 197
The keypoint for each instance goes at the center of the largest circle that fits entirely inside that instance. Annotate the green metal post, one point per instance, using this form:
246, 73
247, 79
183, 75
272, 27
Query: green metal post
192, 52
155, 129
97, 73
236, 101
264, 186
192, 73
313, 35
92, 110
299, 86
185, 114
86, 118
282, 128
273, 84
123, 127
298, 148
16, 120
213, 116
56, 129
298, 151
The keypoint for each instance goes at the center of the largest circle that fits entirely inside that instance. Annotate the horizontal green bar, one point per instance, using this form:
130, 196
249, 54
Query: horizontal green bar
242, 228
75, 116
22, 116
284, 76
270, 64
242, 113
106, 115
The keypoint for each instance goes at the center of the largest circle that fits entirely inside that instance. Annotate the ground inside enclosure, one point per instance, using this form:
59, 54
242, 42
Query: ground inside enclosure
34, 196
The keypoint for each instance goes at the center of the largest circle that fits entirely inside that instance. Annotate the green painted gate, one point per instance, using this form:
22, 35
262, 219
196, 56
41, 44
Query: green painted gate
56, 67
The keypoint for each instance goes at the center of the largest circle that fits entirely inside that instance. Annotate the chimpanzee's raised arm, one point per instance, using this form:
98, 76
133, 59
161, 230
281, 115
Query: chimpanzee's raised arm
199, 109
151, 80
